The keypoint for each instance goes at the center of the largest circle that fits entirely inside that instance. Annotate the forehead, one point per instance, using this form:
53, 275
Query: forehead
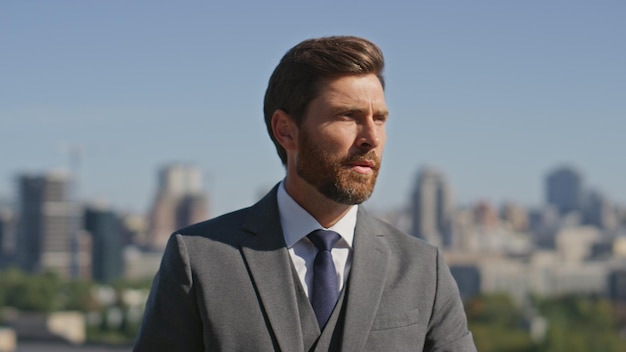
352, 91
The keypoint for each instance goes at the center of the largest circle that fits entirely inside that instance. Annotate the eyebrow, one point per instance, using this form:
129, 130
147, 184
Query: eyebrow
353, 110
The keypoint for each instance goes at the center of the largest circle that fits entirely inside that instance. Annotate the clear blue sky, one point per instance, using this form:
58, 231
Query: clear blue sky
493, 93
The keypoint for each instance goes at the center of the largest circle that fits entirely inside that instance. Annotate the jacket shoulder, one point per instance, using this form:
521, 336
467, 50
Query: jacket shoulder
225, 229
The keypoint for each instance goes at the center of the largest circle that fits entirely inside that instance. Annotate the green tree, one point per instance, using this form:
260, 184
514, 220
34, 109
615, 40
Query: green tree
497, 325
30, 292
77, 295
581, 324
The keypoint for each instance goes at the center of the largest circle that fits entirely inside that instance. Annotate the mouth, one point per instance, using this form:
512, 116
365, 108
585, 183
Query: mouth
364, 167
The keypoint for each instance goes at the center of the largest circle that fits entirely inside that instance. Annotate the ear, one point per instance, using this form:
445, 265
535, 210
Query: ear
285, 130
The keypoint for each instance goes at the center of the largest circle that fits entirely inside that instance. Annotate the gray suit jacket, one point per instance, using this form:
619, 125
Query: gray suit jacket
227, 284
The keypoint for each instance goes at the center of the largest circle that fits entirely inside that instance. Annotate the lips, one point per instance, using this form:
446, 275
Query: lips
363, 165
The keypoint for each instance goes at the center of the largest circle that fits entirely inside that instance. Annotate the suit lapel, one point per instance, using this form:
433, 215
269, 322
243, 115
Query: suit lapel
270, 269
366, 282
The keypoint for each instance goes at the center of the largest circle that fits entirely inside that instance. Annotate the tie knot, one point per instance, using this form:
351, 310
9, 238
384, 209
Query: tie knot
324, 240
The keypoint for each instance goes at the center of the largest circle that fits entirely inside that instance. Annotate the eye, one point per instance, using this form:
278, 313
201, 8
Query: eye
347, 116
380, 119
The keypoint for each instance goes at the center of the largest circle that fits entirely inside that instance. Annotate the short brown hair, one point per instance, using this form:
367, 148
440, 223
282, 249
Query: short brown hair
293, 83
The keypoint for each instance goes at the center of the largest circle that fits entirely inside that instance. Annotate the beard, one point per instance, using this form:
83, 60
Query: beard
332, 175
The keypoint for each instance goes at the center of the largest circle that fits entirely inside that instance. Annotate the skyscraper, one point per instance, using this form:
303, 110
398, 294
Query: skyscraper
564, 189
515, 216
599, 211
6, 236
485, 215
432, 208
47, 237
180, 201
106, 232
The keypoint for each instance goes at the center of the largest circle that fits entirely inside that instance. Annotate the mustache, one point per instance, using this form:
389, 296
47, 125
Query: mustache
369, 157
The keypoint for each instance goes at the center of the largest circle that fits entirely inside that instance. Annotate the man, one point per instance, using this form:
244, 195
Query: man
261, 278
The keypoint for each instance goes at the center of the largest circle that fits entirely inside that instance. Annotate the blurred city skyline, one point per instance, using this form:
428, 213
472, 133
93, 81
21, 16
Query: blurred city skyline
493, 94
579, 194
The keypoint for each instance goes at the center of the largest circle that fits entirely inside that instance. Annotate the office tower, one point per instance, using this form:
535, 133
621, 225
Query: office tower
6, 237
433, 210
564, 190
3, 231
544, 224
467, 277
134, 229
617, 285
515, 216
465, 234
180, 201
107, 256
48, 231
599, 211
485, 215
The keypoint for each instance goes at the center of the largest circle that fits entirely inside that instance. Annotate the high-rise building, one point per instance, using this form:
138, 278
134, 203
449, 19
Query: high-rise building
544, 224
515, 216
617, 290
107, 253
48, 235
433, 209
599, 211
6, 236
467, 278
180, 201
485, 215
564, 189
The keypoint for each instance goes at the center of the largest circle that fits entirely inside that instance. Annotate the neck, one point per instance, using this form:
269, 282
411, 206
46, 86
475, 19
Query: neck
326, 211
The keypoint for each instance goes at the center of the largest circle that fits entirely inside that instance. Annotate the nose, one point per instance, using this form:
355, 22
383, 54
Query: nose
371, 134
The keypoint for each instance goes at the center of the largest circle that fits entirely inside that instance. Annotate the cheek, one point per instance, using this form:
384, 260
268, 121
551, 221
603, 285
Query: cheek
338, 139
382, 138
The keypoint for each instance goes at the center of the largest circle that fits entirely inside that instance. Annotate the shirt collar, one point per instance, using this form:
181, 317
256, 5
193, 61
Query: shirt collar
297, 222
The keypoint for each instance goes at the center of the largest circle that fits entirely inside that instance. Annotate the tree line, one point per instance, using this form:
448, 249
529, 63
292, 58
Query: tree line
558, 324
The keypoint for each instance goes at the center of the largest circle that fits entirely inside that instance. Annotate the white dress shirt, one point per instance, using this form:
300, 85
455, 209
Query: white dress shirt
297, 223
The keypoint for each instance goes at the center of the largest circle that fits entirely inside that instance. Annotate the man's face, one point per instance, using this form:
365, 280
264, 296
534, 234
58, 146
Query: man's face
341, 138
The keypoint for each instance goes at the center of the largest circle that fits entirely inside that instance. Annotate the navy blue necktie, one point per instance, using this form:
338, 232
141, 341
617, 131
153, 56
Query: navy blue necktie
325, 289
